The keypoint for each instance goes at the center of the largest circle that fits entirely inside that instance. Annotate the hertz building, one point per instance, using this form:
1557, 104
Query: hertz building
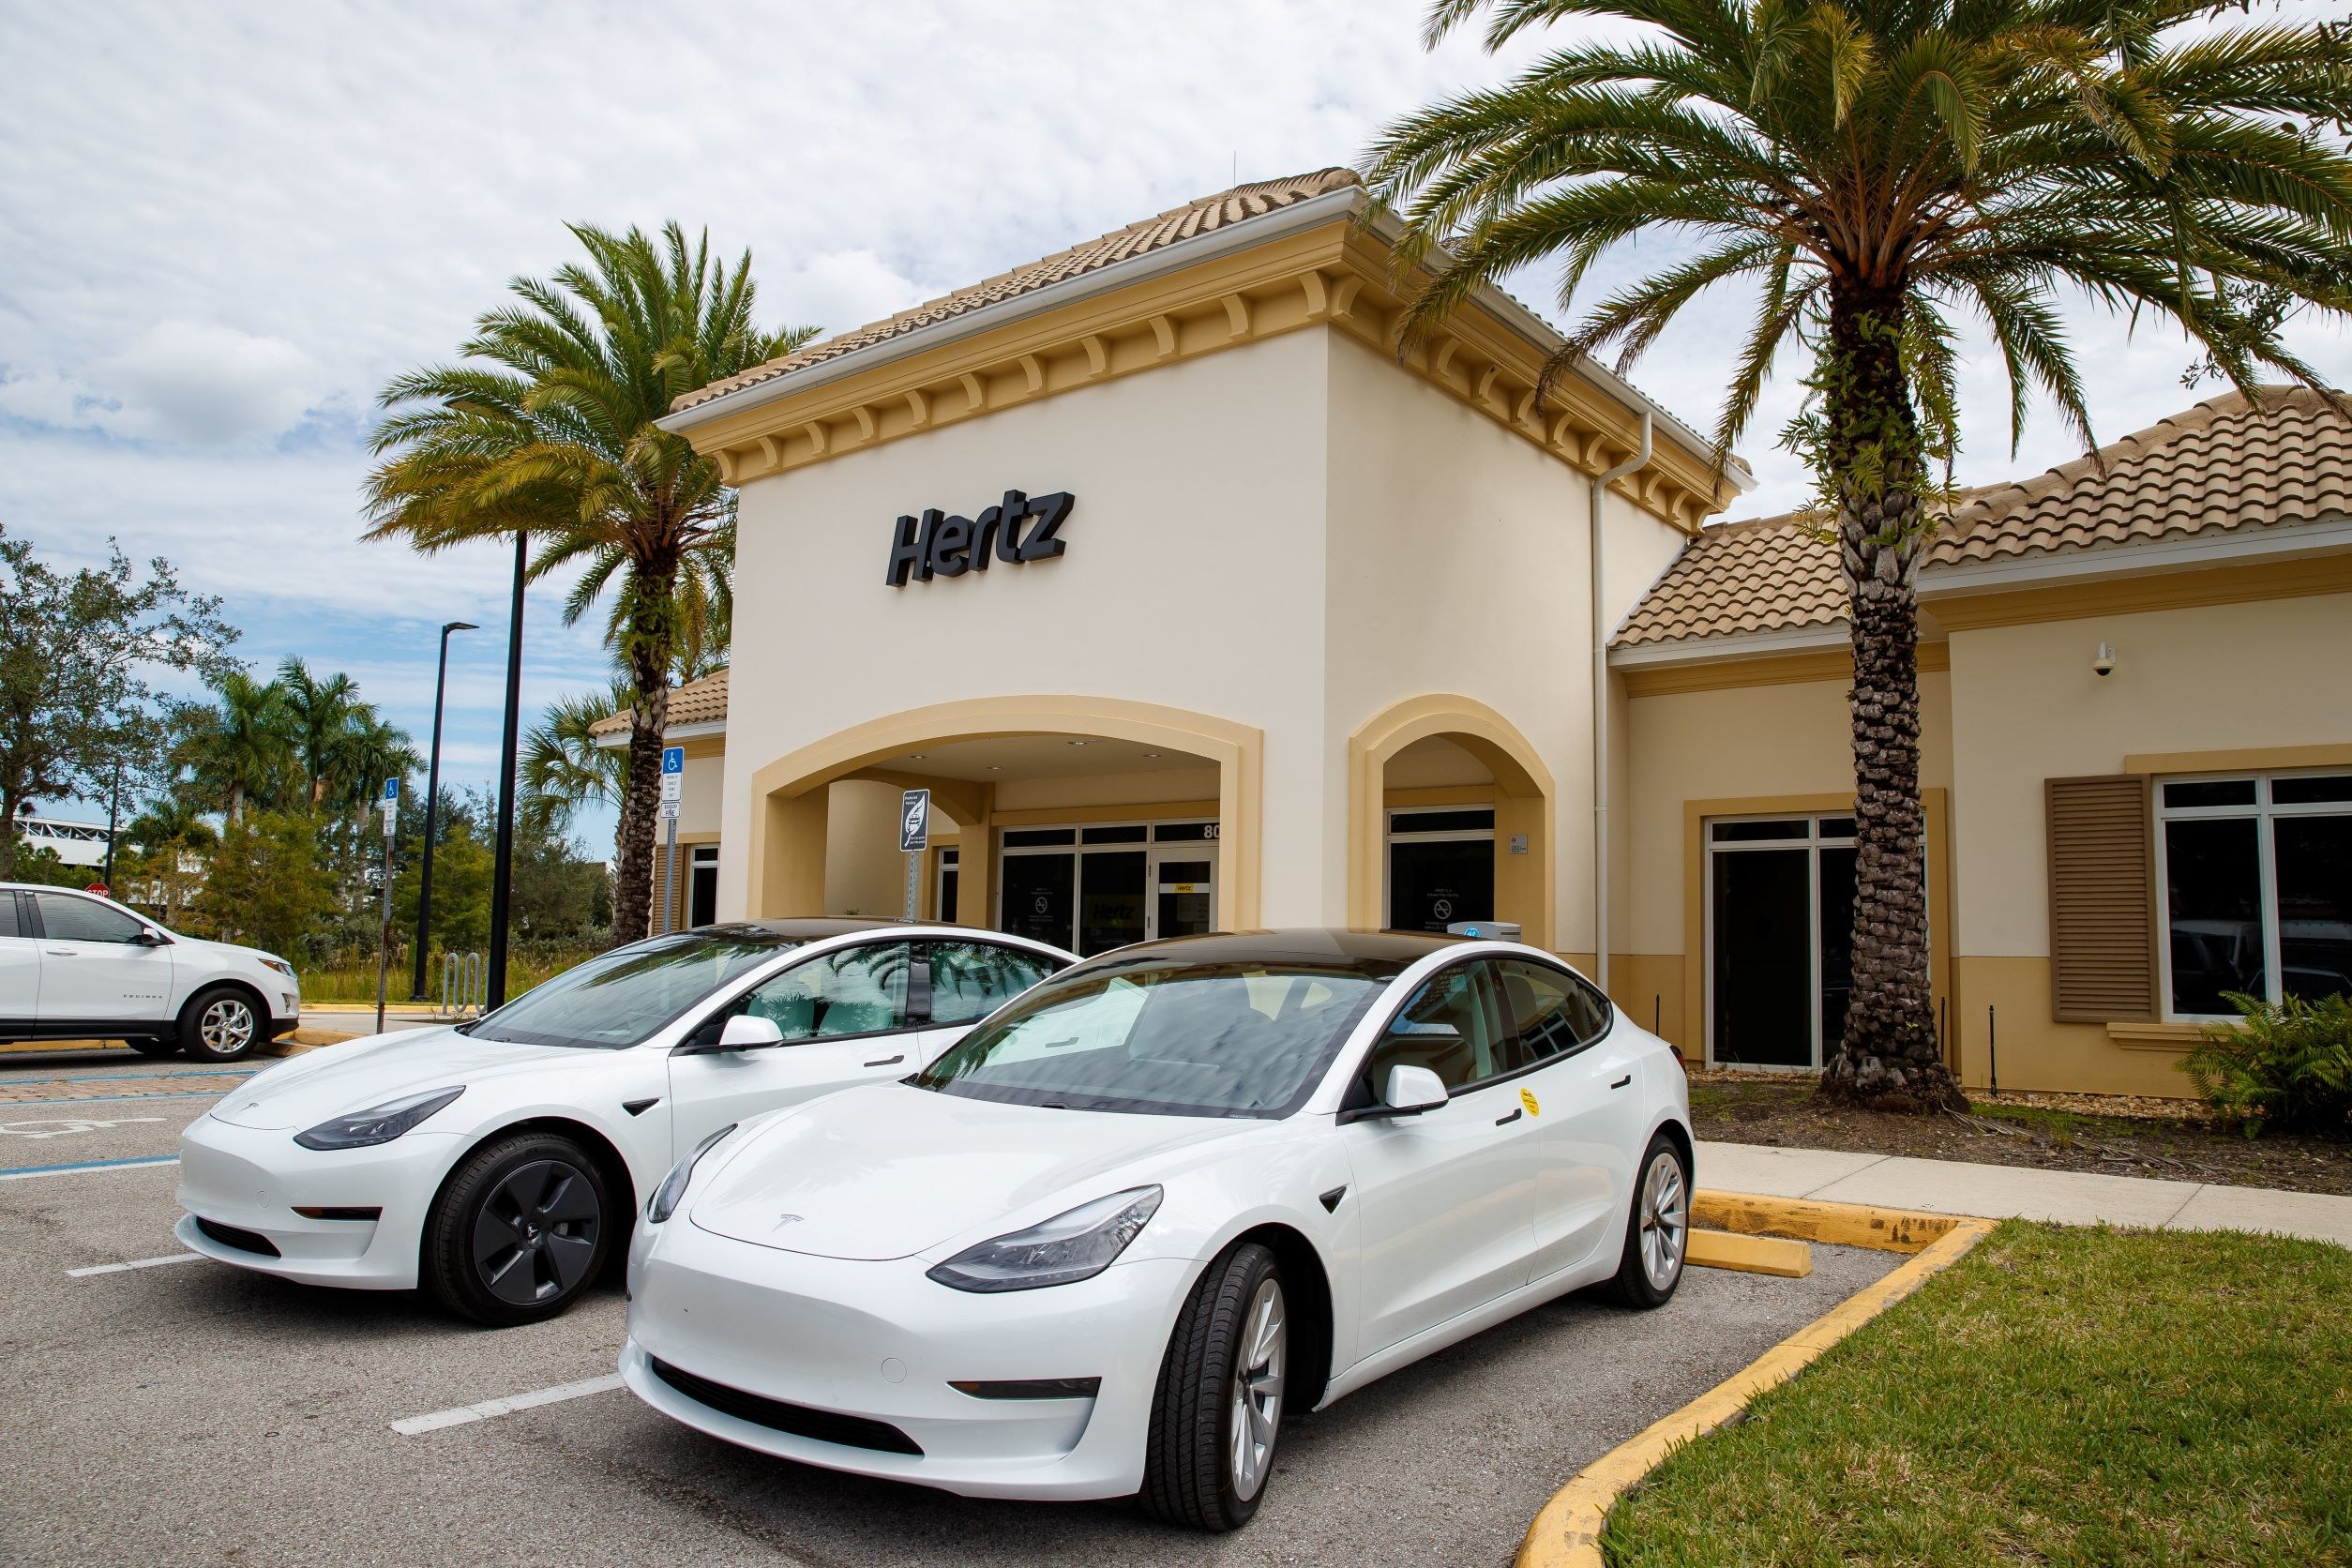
1195, 609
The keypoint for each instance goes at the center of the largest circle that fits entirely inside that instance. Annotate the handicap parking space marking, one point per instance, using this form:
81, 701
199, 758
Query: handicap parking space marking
416, 1426
135, 1263
142, 1071
66, 1127
80, 1167
103, 1099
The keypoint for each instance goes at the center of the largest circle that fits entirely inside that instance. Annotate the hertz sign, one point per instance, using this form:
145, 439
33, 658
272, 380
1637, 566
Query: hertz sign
1018, 530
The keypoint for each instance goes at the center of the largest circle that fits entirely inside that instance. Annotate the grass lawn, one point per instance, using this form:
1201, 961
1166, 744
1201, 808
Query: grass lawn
2060, 1395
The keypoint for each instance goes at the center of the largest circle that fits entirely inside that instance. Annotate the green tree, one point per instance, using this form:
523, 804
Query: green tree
76, 652
462, 864
266, 887
563, 766
1876, 168
549, 430
170, 840
245, 749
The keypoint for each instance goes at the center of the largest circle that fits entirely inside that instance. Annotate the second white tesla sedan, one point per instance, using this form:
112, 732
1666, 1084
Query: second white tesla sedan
1101, 1246
500, 1163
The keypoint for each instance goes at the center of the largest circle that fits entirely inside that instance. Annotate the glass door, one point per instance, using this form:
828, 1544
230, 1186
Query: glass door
1780, 916
1183, 890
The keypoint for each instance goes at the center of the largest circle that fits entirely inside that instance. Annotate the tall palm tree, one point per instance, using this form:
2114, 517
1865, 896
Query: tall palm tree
243, 747
323, 712
1876, 167
549, 430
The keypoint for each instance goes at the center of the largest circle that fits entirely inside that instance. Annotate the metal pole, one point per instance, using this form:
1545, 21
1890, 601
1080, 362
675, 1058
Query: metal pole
114, 810
669, 876
432, 802
384, 935
503, 866
912, 859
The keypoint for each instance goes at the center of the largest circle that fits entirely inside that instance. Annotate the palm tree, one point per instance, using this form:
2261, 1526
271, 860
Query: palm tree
1877, 166
550, 431
563, 766
323, 712
243, 747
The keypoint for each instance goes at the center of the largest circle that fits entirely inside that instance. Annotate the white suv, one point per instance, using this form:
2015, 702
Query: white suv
74, 966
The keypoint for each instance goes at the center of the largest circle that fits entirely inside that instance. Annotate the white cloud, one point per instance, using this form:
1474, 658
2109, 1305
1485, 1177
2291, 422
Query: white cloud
205, 383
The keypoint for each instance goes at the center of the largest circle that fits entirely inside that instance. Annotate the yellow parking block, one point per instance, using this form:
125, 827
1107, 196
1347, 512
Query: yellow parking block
1764, 1255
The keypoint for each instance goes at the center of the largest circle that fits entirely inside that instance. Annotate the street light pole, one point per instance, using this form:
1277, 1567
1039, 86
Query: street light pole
432, 801
501, 872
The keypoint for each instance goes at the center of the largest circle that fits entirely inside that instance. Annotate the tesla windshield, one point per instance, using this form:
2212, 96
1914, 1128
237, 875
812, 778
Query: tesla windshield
620, 997
1162, 1037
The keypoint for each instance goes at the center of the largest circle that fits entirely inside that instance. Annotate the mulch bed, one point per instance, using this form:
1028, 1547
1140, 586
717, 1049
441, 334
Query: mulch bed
2113, 1136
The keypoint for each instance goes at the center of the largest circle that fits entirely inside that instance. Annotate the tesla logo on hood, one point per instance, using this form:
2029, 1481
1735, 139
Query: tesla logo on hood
783, 1220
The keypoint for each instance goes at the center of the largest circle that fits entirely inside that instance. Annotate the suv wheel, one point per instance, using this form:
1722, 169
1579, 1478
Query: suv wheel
219, 1025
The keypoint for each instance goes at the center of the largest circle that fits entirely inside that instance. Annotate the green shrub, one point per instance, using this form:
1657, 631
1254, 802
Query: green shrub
2286, 1066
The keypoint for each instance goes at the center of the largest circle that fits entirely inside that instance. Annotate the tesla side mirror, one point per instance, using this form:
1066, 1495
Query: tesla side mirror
746, 1032
1412, 1090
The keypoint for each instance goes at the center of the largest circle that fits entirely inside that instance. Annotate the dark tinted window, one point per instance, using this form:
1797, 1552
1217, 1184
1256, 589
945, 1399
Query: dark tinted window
1455, 1026
1162, 1036
8, 913
1551, 1012
972, 979
2306, 788
66, 918
850, 990
2210, 791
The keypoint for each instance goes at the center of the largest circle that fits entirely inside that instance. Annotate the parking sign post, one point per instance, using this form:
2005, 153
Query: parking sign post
672, 792
390, 806
914, 837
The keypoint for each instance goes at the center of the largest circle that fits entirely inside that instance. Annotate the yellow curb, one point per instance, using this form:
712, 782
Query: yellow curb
1764, 1255
1567, 1533
62, 1045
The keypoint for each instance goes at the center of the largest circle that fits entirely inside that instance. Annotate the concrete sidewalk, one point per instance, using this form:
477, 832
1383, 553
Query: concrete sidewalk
2005, 1191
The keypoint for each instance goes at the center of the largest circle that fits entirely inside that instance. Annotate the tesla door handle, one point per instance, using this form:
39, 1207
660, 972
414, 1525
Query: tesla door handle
889, 1061
1623, 1081
1506, 1121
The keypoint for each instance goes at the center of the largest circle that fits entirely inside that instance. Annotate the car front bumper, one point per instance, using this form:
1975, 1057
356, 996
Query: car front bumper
881, 1343
248, 1179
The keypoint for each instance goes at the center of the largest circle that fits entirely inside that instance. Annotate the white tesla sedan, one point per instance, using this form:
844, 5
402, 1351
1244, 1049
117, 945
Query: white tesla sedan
1101, 1246
500, 1163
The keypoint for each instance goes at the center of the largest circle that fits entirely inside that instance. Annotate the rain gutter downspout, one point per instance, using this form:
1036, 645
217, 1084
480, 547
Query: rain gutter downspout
1600, 718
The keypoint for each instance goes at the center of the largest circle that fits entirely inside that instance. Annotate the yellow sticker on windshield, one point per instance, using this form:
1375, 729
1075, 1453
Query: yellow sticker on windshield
1527, 1098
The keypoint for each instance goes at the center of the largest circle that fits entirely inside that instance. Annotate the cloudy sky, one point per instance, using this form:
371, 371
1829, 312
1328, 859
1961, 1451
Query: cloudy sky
226, 225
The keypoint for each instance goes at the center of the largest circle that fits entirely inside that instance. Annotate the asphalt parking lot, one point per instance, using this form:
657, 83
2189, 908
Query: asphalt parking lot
190, 1413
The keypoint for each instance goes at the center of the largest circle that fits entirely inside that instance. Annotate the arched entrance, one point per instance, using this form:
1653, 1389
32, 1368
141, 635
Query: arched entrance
1416, 739
973, 755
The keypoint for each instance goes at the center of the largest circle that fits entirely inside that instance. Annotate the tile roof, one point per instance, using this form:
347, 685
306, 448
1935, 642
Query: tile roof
1227, 207
702, 702
2222, 466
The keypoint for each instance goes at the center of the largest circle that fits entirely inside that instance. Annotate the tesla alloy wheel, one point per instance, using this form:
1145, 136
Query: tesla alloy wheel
219, 1025
1657, 1231
519, 1231
1218, 1411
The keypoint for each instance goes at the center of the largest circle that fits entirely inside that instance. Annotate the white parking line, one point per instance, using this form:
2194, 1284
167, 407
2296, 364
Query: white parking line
134, 1263
420, 1423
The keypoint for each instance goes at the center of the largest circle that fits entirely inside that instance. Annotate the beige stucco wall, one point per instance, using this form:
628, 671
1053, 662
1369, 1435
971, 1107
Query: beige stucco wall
2028, 707
865, 873
1193, 579
1458, 563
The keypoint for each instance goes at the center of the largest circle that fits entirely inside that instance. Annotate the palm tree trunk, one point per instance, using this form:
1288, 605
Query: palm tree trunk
649, 644
1890, 1055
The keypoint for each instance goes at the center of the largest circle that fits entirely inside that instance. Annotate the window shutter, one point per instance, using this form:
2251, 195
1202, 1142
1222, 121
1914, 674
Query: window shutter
2102, 900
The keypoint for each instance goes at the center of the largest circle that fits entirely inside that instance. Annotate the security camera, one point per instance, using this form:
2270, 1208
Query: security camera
2102, 662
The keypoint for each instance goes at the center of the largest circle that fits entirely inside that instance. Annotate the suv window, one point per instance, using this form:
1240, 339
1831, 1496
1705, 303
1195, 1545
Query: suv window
1455, 1026
850, 990
972, 979
7, 914
1552, 1012
66, 918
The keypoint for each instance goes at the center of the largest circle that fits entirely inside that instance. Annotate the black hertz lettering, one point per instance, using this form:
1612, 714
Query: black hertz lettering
1019, 529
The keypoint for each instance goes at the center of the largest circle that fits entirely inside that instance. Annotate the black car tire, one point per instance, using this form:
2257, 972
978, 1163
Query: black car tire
521, 1228
154, 1048
1188, 1468
1664, 1176
235, 1023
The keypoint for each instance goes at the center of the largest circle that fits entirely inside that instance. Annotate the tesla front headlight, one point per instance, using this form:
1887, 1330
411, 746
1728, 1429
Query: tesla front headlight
377, 1124
665, 1199
1074, 1246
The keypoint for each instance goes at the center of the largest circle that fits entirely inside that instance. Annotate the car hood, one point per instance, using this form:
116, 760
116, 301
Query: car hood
889, 1170
339, 1080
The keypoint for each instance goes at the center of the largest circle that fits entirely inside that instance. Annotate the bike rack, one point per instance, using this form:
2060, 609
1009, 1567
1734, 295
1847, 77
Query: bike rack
464, 985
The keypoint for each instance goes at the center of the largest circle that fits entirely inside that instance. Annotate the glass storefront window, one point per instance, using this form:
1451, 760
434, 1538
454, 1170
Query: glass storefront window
2257, 886
1440, 867
1780, 932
